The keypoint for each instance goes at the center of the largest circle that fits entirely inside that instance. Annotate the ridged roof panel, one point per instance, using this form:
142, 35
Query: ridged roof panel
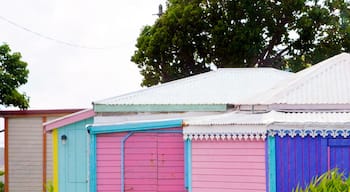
224, 86
327, 82
245, 118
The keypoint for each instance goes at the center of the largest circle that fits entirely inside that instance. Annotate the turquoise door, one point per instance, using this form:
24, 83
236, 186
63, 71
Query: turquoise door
73, 157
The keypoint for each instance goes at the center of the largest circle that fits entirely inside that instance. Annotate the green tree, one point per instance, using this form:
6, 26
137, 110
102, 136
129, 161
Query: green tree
193, 34
13, 73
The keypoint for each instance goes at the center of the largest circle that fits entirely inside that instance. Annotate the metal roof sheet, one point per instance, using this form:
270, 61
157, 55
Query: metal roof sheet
327, 82
245, 118
232, 118
224, 86
238, 125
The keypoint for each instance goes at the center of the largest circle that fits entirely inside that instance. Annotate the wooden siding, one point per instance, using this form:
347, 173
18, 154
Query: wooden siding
228, 166
298, 160
339, 151
73, 165
153, 162
25, 154
25, 167
108, 162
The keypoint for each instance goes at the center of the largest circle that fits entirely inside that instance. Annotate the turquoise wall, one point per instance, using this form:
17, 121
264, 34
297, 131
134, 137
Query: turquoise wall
73, 157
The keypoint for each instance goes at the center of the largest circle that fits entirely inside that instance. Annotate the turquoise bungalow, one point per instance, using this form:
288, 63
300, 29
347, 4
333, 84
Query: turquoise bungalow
70, 151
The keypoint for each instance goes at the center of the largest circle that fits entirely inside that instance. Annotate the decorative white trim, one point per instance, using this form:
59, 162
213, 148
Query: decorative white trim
310, 132
240, 133
225, 136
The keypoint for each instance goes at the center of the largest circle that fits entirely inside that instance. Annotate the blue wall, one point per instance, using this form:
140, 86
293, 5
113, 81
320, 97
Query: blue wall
73, 157
298, 160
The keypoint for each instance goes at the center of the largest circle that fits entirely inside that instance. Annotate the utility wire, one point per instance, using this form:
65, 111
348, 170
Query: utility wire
54, 39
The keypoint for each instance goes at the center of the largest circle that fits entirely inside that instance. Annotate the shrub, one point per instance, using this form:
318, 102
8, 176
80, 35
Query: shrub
327, 182
2, 185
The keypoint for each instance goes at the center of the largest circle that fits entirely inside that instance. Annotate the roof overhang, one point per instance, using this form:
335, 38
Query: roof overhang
37, 112
160, 108
69, 119
133, 126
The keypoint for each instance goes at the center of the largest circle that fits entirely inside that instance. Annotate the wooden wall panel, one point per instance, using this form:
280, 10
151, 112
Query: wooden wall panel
108, 162
153, 162
25, 154
298, 160
228, 166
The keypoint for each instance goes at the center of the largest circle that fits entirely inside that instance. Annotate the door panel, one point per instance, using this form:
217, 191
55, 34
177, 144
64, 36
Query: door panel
141, 162
340, 155
298, 160
154, 162
73, 157
170, 169
77, 156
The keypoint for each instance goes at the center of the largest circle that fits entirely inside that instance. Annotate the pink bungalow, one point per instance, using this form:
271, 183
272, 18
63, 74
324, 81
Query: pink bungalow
226, 152
137, 156
137, 139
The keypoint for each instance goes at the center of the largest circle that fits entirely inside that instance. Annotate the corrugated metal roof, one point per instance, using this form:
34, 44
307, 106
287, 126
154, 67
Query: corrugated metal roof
224, 86
232, 118
245, 118
238, 125
327, 82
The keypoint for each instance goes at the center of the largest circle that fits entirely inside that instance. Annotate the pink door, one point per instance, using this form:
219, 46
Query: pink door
154, 162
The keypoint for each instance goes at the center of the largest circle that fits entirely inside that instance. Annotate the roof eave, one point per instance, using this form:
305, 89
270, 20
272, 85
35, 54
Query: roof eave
160, 108
69, 119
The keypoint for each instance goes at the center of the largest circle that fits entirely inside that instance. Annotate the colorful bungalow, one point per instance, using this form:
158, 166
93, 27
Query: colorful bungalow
314, 136
28, 149
230, 152
70, 151
227, 152
136, 139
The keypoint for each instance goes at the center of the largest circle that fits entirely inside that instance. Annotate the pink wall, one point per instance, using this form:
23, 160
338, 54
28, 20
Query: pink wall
108, 162
153, 162
228, 166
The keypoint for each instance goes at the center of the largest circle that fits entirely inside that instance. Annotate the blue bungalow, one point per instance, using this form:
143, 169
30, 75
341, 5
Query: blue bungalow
70, 151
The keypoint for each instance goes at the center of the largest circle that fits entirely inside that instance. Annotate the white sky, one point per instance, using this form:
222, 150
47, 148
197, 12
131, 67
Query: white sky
67, 77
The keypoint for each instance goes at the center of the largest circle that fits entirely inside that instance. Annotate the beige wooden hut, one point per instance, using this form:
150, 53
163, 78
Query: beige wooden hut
28, 150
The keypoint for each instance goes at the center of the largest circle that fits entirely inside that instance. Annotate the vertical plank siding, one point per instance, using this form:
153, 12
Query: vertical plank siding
339, 151
298, 160
73, 165
228, 166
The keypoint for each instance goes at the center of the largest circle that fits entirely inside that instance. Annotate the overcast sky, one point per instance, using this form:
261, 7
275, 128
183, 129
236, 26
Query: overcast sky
63, 76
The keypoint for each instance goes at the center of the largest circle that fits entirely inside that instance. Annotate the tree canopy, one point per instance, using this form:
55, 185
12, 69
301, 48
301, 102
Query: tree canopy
13, 74
192, 35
